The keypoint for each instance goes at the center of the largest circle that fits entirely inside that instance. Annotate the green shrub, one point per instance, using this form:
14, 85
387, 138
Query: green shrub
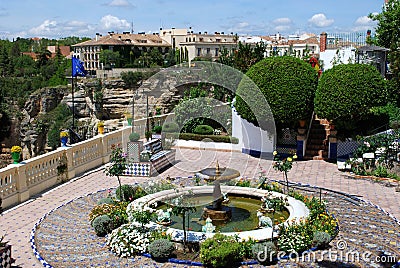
203, 130
161, 248
215, 138
220, 251
134, 136
106, 200
157, 129
103, 225
116, 211
347, 92
264, 252
127, 192
288, 85
321, 239
170, 127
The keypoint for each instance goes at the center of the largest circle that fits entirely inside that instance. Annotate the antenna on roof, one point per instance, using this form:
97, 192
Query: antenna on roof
132, 27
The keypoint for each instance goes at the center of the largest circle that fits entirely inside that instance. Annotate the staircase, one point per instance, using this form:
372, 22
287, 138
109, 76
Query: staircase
317, 142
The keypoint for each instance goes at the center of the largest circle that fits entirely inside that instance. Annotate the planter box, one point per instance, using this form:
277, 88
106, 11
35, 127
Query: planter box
5, 256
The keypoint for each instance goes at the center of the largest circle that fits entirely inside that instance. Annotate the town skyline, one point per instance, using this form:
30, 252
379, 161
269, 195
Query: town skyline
243, 17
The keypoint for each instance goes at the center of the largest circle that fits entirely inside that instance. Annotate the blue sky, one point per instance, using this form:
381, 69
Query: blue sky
56, 19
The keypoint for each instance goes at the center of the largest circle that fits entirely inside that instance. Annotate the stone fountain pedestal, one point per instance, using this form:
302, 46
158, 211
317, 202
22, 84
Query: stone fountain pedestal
217, 212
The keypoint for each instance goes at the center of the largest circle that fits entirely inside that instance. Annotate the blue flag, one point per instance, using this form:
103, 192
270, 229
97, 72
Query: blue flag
77, 68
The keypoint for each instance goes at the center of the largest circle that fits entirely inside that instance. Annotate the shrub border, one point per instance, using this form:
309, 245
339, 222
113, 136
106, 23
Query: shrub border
188, 262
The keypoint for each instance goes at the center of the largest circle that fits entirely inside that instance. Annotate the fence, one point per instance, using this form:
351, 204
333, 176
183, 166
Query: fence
19, 182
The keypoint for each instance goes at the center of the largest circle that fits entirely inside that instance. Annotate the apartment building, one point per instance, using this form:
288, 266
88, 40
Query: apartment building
124, 43
198, 45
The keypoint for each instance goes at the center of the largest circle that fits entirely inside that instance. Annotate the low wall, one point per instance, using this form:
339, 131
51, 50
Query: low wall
19, 182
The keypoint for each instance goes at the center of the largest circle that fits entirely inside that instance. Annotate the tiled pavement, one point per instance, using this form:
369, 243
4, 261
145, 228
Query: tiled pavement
18, 222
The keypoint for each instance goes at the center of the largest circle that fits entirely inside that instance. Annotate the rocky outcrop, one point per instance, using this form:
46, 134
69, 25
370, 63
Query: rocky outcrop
94, 100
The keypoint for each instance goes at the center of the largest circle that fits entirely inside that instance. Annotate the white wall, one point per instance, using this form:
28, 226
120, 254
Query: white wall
345, 54
251, 137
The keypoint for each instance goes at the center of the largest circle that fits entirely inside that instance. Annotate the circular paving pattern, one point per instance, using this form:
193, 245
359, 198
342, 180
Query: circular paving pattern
64, 237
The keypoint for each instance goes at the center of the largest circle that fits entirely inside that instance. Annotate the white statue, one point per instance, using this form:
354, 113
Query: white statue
209, 227
164, 217
263, 221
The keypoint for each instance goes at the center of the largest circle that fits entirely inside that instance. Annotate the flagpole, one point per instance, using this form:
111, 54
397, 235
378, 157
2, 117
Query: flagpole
73, 105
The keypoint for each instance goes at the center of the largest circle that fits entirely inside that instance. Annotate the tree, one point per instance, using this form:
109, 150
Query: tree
109, 58
243, 56
183, 205
388, 33
288, 85
117, 165
348, 92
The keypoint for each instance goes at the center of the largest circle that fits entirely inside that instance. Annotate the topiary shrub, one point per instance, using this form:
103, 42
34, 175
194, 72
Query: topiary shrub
102, 225
264, 252
288, 85
220, 251
127, 192
106, 200
170, 127
203, 130
347, 92
157, 129
161, 249
321, 239
134, 136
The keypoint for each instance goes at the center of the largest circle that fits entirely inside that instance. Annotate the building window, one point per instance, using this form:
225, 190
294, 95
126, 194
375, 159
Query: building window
208, 51
216, 52
198, 52
194, 39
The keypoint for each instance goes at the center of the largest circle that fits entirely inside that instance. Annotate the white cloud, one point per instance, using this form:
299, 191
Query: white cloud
320, 20
282, 28
281, 21
119, 3
364, 20
110, 22
282, 24
45, 28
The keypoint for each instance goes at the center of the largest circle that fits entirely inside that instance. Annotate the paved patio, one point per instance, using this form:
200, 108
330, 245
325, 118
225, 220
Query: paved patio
18, 222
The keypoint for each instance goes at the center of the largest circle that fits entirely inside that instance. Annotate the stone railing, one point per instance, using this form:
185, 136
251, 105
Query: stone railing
19, 182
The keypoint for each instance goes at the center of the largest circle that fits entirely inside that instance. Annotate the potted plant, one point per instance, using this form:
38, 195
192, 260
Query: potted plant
157, 132
134, 147
128, 117
100, 127
64, 138
16, 153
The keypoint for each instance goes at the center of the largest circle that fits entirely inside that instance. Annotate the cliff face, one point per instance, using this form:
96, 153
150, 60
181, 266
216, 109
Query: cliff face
94, 100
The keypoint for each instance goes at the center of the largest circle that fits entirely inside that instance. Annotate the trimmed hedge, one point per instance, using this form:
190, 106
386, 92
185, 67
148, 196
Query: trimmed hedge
288, 85
197, 137
203, 130
349, 91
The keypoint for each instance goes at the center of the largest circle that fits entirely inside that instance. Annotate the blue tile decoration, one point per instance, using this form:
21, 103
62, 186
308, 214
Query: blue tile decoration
64, 236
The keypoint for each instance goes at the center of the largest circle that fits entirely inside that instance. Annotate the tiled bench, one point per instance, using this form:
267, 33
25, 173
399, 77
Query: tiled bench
159, 160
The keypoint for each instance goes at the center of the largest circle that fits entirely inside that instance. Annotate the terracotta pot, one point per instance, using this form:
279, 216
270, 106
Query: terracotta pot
302, 123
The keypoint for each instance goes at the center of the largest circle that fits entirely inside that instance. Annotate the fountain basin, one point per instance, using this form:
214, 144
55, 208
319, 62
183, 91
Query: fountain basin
223, 174
297, 211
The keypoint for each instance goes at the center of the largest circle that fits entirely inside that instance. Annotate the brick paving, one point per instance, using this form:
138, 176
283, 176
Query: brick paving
18, 222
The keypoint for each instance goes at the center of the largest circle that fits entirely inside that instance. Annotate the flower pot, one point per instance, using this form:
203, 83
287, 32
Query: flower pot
15, 156
302, 123
101, 130
129, 121
64, 141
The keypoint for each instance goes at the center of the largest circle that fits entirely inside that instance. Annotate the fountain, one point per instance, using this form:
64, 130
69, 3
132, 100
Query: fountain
217, 212
217, 173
